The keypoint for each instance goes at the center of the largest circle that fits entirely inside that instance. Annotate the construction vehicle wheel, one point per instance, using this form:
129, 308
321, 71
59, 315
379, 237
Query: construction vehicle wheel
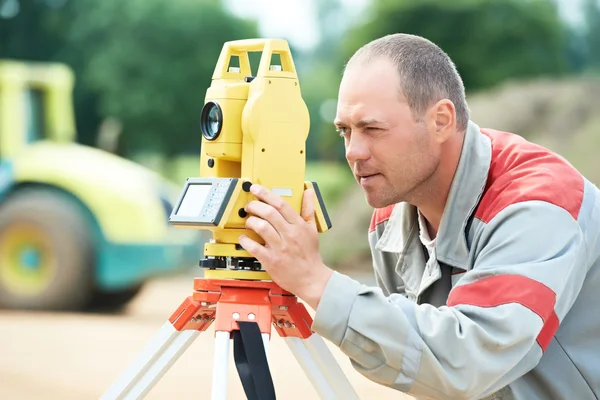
46, 252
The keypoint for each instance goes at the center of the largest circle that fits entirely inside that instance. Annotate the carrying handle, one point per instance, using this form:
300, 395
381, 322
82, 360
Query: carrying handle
268, 47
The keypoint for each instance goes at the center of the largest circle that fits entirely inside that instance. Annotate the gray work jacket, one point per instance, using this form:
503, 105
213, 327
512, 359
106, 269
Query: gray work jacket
506, 307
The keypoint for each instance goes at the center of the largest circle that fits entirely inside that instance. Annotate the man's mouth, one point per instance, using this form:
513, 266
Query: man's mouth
365, 178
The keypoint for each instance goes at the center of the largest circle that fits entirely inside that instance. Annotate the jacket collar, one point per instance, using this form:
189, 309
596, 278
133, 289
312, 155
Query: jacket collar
466, 189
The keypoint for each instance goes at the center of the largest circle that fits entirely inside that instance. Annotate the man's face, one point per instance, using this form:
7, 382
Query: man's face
390, 153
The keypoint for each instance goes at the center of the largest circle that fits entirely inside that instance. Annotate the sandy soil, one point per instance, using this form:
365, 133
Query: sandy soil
77, 356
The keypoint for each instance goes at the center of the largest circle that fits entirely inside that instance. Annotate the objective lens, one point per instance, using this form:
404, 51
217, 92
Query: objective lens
211, 120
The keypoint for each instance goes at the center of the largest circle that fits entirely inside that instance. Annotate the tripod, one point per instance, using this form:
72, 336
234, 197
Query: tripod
244, 310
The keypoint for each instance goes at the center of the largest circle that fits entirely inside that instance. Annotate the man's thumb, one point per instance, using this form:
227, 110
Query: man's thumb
308, 206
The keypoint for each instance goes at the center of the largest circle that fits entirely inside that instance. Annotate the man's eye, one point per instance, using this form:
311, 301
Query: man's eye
343, 131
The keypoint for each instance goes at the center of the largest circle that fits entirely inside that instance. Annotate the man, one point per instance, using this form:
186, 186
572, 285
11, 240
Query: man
486, 247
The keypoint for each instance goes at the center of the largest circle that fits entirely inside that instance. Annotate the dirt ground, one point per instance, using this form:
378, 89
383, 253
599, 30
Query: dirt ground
76, 356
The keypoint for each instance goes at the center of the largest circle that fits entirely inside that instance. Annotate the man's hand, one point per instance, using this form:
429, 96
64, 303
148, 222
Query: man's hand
291, 251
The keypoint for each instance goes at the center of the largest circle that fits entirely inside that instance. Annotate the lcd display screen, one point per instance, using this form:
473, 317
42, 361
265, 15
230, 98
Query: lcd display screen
193, 201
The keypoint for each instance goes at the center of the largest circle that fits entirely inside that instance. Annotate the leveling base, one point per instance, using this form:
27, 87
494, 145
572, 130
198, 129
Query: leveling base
238, 308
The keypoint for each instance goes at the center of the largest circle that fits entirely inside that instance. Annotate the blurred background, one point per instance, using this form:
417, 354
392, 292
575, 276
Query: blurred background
99, 128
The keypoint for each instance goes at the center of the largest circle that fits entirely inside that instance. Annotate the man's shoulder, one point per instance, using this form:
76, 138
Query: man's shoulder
522, 171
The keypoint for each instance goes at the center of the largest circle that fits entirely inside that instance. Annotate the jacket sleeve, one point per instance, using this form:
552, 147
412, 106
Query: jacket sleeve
530, 263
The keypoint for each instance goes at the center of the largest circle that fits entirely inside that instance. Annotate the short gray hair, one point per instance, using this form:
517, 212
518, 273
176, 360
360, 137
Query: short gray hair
427, 74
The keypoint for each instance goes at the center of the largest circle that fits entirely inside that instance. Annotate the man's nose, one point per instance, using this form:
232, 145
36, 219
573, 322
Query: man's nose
356, 149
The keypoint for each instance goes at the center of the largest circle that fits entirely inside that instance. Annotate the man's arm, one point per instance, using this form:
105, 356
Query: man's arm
499, 319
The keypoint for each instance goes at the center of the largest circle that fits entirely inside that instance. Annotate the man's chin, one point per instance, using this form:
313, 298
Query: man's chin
376, 201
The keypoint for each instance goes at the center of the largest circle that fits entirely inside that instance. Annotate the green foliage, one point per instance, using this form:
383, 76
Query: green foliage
489, 40
37, 30
592, 33
151, 62
320, 80
179, 168
146, 63
31, 30
334, 179
319, 88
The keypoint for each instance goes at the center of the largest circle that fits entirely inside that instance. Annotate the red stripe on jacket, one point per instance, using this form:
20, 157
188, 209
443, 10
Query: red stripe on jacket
523, 171
505, 289
380, 215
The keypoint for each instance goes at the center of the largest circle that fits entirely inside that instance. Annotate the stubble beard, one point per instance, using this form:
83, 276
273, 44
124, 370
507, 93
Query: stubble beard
420, 190
422, 185
412, 194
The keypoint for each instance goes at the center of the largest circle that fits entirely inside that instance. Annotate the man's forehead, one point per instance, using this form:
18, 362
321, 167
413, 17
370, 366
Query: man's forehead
372, 79
361, 112
381, 67
367, 96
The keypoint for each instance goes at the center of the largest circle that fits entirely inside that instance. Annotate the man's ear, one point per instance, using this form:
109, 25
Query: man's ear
443, 119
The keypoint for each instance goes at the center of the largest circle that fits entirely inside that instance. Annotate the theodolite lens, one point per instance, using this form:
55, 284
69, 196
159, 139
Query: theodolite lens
211, 120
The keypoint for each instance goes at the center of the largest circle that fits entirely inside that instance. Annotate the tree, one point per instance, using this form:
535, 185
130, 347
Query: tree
144, 63
32, 30
489, 40
591, 9
37, 30
151, 61
321, 78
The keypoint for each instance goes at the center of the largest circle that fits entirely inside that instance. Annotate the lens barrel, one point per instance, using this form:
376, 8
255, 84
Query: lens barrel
211, 120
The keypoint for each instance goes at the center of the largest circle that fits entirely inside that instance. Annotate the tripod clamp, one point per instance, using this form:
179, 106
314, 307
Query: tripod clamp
227, 302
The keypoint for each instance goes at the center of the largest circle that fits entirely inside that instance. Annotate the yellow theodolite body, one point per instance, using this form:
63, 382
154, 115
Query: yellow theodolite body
254, 131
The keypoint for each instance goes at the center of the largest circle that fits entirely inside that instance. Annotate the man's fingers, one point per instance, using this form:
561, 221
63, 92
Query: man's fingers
267, 196
256, 249
268, 213
308, 206
264, 229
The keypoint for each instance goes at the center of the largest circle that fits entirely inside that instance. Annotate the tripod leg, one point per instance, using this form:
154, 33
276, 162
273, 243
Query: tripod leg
332, 369
321, 368
220, 365
310, 367
266, 338
154, 361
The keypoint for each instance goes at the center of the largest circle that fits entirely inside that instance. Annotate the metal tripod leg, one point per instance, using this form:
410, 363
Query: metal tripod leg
153, 362
321, 368
221, 363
